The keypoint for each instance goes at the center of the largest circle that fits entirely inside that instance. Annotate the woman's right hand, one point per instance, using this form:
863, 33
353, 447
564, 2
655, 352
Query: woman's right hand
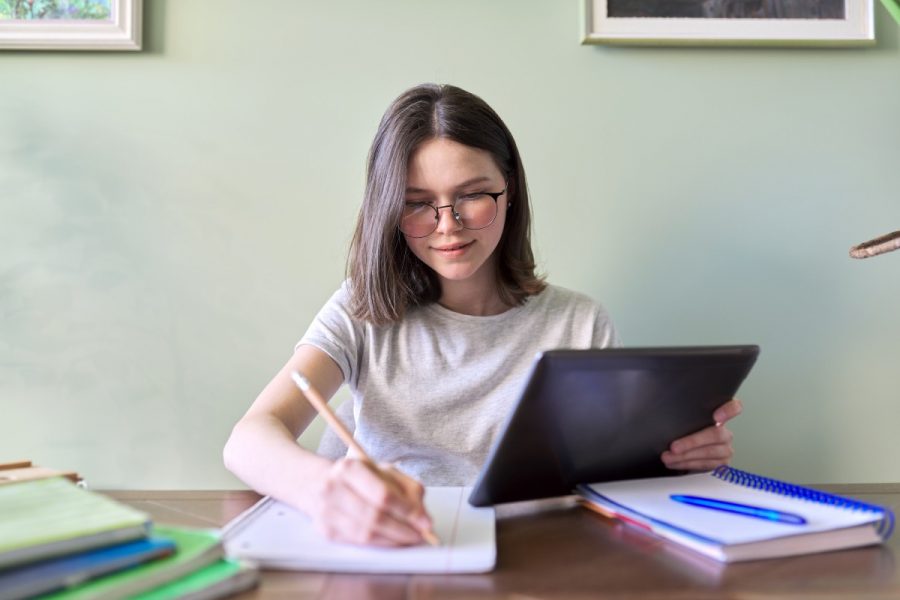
360, 504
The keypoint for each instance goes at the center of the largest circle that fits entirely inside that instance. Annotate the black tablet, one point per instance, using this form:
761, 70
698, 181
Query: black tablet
586, 416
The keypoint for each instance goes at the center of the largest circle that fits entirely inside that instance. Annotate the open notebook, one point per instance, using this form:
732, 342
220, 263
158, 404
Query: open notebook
831, 522
276, 536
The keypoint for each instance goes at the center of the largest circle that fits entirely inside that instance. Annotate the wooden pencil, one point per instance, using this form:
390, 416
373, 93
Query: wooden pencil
325, 411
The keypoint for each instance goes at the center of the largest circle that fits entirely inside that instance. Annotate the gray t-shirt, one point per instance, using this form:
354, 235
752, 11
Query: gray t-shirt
431, 391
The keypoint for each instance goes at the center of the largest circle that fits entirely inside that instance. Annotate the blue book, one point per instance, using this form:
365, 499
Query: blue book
69, 571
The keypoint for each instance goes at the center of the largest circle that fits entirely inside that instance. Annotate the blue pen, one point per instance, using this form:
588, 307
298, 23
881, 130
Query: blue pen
768, 514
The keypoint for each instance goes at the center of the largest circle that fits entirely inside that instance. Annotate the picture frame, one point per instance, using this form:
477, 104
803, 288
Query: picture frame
729, 22
61, 25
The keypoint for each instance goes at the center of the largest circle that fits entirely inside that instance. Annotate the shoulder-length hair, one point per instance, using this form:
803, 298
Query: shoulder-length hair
386, 278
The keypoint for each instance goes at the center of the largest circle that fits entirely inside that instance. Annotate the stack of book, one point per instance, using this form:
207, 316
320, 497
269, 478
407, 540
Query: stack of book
59, 539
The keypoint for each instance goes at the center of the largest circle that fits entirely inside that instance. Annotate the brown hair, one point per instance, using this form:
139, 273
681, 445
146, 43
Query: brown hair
386, 278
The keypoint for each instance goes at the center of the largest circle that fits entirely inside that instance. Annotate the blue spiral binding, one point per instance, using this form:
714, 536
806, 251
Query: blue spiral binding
758, 482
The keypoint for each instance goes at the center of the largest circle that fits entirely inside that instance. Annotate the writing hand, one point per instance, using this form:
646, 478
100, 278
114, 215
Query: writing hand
360, 504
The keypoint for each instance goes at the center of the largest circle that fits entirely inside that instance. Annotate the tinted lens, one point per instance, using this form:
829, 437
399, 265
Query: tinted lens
476, 212
418, 220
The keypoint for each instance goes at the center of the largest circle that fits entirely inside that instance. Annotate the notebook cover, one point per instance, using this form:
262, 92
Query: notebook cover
728, 536
222, 578
44, 518
195, 549
651, 498
72, 570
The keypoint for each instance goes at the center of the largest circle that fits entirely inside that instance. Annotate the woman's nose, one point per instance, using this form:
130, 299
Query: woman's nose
447, 221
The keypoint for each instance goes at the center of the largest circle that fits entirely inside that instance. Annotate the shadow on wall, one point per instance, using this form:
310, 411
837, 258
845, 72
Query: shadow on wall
153, 34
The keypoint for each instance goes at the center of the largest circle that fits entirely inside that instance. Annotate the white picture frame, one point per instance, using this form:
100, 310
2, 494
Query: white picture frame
122, 31
664, 22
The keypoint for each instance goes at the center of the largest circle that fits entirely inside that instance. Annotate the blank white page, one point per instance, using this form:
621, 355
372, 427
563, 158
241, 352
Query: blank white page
276, 536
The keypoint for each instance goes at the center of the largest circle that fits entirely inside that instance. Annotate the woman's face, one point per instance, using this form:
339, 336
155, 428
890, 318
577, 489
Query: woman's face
439, 172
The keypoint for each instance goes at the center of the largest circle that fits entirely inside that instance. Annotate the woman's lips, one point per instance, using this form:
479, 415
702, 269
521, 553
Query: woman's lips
451, 250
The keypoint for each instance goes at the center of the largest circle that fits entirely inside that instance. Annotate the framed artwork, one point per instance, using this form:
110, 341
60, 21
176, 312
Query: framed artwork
70, 24
729, 22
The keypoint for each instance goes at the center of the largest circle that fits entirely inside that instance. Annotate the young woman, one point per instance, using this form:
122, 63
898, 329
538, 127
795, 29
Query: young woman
434, 330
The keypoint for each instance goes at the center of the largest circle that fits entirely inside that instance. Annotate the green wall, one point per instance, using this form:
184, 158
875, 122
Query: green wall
171, 220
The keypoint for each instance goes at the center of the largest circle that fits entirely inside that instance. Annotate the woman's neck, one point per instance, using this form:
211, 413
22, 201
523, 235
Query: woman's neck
468, 298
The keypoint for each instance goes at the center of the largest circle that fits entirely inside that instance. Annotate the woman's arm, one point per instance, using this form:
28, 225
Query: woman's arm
263, 451
347, 500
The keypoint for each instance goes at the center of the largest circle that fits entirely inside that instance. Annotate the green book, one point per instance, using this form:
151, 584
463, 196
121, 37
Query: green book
45, 518
195, 549
222, 578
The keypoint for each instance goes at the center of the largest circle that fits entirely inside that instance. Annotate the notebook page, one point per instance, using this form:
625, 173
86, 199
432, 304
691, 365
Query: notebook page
277, 536
650, 498
48, 510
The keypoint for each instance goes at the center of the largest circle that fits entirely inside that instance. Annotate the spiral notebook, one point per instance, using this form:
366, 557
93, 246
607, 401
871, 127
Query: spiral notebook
831, 522
275, 536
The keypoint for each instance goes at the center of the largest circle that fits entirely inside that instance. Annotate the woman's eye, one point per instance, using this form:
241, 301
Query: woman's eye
473, 196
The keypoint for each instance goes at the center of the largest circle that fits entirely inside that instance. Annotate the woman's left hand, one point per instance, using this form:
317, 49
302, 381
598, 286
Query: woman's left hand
708, 448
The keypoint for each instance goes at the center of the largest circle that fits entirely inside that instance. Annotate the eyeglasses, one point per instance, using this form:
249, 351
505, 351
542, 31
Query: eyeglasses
472, 211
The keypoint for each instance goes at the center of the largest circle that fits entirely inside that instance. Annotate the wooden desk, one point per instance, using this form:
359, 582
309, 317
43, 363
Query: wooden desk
568, 552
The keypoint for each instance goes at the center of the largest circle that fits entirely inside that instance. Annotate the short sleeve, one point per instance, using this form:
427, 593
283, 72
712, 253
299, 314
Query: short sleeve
605, 334
335, 332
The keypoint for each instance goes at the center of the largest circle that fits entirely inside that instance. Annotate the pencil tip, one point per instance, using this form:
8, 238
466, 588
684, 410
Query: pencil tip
431, 538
